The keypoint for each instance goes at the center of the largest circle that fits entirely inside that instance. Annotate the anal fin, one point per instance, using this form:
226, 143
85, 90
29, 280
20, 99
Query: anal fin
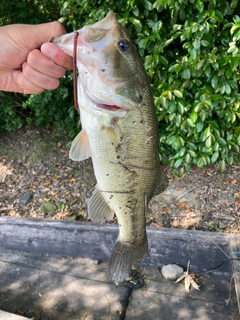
98, 209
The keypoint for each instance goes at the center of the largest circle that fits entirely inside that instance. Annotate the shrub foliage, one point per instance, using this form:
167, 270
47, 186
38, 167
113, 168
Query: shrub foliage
190, 49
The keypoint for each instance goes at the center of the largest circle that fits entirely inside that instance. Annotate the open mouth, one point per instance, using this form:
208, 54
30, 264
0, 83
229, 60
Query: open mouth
108, 107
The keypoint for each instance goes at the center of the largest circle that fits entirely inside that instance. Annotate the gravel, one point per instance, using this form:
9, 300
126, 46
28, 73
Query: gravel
35, 169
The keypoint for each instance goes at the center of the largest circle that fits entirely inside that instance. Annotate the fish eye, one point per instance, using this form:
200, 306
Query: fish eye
123, 45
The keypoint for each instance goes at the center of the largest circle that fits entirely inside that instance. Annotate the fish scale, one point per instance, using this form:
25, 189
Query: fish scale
120, 133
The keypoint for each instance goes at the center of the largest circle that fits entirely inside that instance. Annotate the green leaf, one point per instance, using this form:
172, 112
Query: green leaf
192, 153
214, 157
234, 63
147, 5
227, 88
194, 116
193, 53
187, 158
178, 163
163, 60
180, 108
166, 43
136, 12
205, 43
172, 107
186, 74
222, 141
197, 43
203, 115
236, 19
175, 68
190, 123
200, 64
228, 73
206, 133
208, 71
208, 142
178, 93
143, 42
216, 146
164, 102
201, 162
137, 23
187, 167
233, 4
233, 49
214, 81
199, 126
222, 165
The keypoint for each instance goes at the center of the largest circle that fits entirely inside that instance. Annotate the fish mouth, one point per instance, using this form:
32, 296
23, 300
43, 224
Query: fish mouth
109, 107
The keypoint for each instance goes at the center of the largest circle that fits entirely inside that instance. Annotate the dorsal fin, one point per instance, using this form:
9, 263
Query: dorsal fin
161, 182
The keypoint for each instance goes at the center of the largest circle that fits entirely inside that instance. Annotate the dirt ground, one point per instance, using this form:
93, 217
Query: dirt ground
37, 179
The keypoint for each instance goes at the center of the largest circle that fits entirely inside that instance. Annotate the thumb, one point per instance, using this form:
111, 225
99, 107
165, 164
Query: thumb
47, 31
33, 36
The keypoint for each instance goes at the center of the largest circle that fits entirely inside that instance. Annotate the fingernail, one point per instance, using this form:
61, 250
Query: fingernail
48, 50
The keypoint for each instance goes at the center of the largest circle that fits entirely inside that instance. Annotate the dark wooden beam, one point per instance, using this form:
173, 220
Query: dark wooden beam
207, 251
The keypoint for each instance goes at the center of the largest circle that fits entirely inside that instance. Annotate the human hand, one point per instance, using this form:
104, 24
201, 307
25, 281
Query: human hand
29, 63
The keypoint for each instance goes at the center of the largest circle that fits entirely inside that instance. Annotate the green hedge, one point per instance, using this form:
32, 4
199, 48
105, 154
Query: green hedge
190, 50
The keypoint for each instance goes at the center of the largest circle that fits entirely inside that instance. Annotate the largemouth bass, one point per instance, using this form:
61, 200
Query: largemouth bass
119, 132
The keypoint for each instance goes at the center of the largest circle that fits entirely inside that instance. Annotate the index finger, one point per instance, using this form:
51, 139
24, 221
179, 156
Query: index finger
58, 56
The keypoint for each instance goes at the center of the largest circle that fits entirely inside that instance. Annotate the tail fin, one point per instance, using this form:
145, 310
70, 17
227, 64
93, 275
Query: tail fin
124, 256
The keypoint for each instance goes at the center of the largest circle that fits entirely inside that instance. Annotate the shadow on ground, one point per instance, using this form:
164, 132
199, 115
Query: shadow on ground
63, 288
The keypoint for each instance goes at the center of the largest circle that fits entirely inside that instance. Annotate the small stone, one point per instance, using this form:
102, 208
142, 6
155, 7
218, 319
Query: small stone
85, 216
95, 262
25, 197
2, 178
48, 207
37, 194
2, 198
222, 225
172, 271
73, 217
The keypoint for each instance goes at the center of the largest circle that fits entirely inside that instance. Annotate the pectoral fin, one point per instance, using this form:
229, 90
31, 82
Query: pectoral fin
98, 209
80, 149
114, 133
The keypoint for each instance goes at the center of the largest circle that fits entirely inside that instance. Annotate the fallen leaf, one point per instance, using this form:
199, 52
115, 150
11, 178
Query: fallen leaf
187, 283
164, 209
188, 280
182, 276
47, 183
183, 204
193, 283
237, 202
234, 181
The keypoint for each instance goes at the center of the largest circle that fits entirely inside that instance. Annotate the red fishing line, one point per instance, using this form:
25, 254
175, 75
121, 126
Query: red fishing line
75, 70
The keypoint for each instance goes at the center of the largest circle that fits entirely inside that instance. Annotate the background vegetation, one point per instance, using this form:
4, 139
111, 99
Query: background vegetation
190, 49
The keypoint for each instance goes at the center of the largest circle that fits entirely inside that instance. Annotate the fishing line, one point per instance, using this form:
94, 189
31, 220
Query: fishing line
76, 34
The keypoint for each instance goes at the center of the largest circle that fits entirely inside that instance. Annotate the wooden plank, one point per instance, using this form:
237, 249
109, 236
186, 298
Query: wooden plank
205, 250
